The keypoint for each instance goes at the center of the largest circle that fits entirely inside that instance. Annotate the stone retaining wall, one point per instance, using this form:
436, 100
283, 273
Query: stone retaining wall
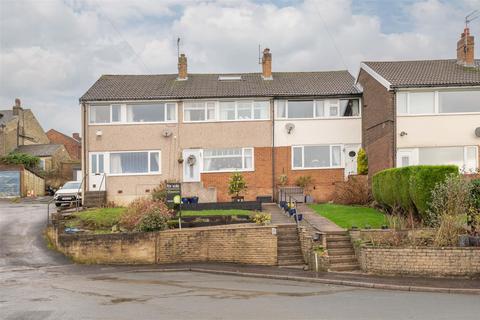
433, 262
247, 244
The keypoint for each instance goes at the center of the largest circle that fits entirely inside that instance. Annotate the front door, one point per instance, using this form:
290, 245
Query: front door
96, 174
192, 163
351, 153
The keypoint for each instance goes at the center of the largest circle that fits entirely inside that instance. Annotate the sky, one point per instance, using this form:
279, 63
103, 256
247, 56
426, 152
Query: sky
52, 51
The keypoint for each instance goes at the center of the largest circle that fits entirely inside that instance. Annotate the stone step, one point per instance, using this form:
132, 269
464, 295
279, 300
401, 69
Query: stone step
337, 233
341, 252
344, 267
290, 261
332, 244
343, 259
289, 249
337, 245
338, 238
290, 236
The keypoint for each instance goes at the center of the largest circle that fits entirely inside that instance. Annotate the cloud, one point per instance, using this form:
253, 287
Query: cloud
53, 51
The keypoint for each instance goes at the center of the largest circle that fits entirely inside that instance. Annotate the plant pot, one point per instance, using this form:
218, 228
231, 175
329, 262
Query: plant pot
463, 240
474, 241
180, 160
238, 199
184, 200
194, 199
308, 199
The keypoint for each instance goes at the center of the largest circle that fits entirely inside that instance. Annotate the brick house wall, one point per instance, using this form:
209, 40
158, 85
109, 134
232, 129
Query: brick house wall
378, 124
74, 147
259, 182
324, 180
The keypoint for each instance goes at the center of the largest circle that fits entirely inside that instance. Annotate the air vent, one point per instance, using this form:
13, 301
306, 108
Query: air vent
229, 78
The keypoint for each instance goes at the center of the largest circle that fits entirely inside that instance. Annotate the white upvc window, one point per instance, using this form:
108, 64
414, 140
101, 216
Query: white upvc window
465, 157
421, 102
155, 112
317, 157
226, 110
134, 162
228, 160
317, 109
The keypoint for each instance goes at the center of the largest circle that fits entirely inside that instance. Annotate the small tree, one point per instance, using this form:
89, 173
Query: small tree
305, 182
362, 162
236, 185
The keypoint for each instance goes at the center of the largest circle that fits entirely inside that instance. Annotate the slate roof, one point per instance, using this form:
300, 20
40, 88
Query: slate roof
6, 115
426, 73
149, 87
39, 150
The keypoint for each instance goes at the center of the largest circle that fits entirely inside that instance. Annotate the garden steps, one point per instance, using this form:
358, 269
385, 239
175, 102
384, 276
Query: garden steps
289, 252
341, 253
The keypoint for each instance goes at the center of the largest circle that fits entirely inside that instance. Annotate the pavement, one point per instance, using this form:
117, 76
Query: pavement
38, 283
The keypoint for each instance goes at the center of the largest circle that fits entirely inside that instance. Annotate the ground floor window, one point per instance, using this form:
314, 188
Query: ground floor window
231, 159
125, 162
316, 156
465, 157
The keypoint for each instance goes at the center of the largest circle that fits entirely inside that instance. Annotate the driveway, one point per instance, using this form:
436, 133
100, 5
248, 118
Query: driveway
37, 283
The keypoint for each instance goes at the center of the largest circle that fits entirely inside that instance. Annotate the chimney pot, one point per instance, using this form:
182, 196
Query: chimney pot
76, 136
182, 67
465, 49
267, 64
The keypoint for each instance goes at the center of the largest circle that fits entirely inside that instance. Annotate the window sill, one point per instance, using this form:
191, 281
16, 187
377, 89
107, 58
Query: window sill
130, 123
325, 118
319, 168
229, 171
217, 121
438, 114
132, 174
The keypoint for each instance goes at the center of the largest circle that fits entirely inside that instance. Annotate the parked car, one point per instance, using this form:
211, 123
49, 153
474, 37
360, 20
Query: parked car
68, 195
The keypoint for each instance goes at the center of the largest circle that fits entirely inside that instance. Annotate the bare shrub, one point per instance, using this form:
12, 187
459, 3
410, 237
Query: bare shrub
353, 191
451, 226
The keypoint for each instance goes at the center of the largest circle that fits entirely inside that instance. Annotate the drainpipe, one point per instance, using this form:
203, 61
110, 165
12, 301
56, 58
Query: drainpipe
273, 150
394, 129
84, 149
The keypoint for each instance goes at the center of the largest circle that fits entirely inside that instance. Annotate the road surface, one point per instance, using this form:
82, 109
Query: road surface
37, 283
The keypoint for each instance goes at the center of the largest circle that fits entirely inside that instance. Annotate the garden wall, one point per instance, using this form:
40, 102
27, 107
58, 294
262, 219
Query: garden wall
437, 262
234, 243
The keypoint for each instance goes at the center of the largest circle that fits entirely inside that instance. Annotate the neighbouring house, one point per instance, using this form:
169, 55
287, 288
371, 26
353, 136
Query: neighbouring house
19, 127
422, 112
73, 144
52, 159
139, 130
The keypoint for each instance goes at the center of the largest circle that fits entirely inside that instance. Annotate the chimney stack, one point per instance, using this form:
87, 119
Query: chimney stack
465, 49
182, 67
17, 107
267, 65
76, 136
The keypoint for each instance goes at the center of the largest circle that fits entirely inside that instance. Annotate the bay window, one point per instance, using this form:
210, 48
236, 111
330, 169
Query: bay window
134, 162
231, 159
314, 157
310, 109
133, 113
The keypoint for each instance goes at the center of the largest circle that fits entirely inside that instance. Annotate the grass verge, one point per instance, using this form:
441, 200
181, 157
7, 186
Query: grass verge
349, 216
101, 218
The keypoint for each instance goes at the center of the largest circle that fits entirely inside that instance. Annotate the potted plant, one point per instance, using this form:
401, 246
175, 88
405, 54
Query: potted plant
305, 182
237, 185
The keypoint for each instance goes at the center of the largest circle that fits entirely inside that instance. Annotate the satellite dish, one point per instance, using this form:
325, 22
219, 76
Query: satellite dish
166, 133
289, 127
477, 132
191, 160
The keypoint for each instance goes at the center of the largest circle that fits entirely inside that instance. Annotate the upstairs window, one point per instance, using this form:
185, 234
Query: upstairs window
310, 109
437, 102
134, 113
198, 111
459, 101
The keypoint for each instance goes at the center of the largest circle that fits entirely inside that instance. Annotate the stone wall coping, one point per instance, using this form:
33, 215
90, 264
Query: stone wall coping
367, 247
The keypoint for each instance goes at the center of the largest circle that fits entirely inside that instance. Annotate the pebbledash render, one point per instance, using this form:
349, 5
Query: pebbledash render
422, 112
198, 129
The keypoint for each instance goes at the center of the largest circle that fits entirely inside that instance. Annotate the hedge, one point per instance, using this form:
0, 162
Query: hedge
409, 188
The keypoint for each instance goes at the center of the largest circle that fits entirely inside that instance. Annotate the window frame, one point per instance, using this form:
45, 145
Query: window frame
436, 92
328, 103
415, 155
217, 110
107, 160
331, 146
124, 113
202, 169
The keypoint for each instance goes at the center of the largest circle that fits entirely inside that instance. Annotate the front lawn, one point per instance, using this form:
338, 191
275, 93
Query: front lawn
348, 216
231, 212
98, 219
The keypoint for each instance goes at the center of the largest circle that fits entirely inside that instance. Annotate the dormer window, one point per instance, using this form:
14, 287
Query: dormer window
229, 78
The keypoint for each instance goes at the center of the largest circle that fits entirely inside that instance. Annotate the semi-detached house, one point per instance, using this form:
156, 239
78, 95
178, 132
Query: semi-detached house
422, 112
200, 128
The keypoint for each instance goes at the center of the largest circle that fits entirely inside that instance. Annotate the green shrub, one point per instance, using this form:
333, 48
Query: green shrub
154, 220
408, 189
144, 214
476, 193
362, 162
27, 160
236, 184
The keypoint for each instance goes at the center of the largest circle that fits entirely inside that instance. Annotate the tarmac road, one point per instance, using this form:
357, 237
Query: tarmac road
37, 283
